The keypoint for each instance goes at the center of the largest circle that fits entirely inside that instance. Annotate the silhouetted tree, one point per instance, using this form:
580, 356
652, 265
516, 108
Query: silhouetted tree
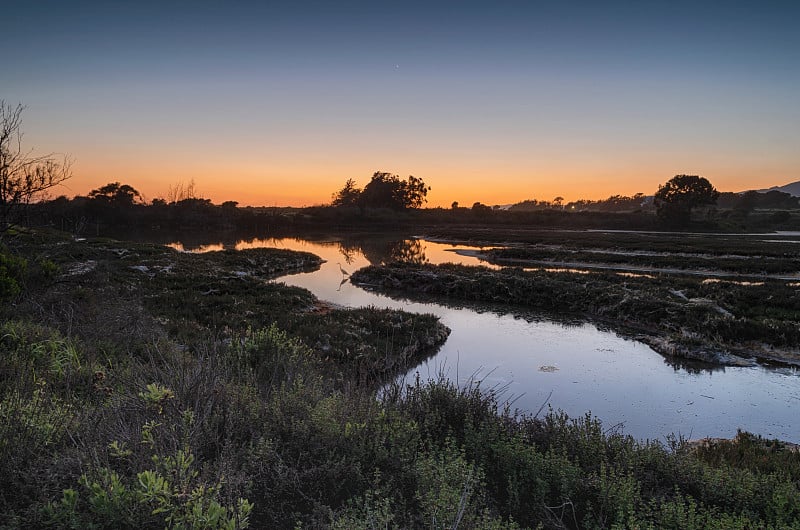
383, 191
116, 194
389, 191
414, 192
481, 210
348, 195
675, 200
23, 175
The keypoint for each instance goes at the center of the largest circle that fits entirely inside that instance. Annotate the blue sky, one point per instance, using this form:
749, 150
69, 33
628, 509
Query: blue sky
280, 103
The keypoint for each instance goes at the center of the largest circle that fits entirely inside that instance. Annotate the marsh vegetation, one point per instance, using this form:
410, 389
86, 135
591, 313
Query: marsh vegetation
144, 387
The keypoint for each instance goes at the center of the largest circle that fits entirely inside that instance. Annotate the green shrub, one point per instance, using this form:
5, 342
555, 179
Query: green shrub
12, 275
272, 357
449, 489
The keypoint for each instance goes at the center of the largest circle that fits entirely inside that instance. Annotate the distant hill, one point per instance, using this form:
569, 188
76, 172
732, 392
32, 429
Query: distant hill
793, 188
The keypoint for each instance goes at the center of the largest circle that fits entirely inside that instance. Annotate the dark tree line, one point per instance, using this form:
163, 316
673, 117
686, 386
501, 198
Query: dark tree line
673, 202
751, 200
121, 206
614, 203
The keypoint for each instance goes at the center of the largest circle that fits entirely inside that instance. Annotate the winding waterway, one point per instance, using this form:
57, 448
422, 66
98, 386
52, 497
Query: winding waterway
572, 366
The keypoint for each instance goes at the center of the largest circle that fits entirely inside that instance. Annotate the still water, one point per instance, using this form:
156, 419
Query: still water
570, 366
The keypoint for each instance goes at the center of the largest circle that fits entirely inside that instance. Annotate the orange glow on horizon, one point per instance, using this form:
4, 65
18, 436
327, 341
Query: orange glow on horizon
295, 186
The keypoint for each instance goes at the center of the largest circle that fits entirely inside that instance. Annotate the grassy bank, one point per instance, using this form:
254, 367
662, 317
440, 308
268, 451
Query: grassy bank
145, 388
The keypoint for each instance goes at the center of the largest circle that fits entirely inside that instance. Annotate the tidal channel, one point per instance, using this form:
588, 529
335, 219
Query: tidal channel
537, 362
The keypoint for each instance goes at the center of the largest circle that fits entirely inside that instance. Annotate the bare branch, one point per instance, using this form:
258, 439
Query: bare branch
24, 177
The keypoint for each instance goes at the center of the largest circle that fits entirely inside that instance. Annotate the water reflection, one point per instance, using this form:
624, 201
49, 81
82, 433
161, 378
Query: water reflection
559, 360
376, 250
691, 366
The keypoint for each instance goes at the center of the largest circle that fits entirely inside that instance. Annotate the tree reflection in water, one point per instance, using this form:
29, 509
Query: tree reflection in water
379, 252
376, 249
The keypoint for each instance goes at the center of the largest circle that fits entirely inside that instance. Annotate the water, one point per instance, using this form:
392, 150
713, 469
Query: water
570, 366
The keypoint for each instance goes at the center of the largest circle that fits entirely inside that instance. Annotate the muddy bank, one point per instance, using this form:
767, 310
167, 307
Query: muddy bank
733, 266
724, 324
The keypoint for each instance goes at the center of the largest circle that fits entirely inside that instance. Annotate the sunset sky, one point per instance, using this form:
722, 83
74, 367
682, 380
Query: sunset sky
278, 103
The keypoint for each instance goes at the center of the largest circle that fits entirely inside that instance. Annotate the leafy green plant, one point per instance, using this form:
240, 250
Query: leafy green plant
156, 395
163, 495
371, 512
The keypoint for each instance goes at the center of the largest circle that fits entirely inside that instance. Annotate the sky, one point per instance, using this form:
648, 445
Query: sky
279, 103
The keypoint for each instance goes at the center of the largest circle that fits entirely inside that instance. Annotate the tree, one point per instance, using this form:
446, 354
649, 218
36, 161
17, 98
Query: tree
383, 191
23, 176
116, 194
348, 195
414, 192
389, 191
675, 200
